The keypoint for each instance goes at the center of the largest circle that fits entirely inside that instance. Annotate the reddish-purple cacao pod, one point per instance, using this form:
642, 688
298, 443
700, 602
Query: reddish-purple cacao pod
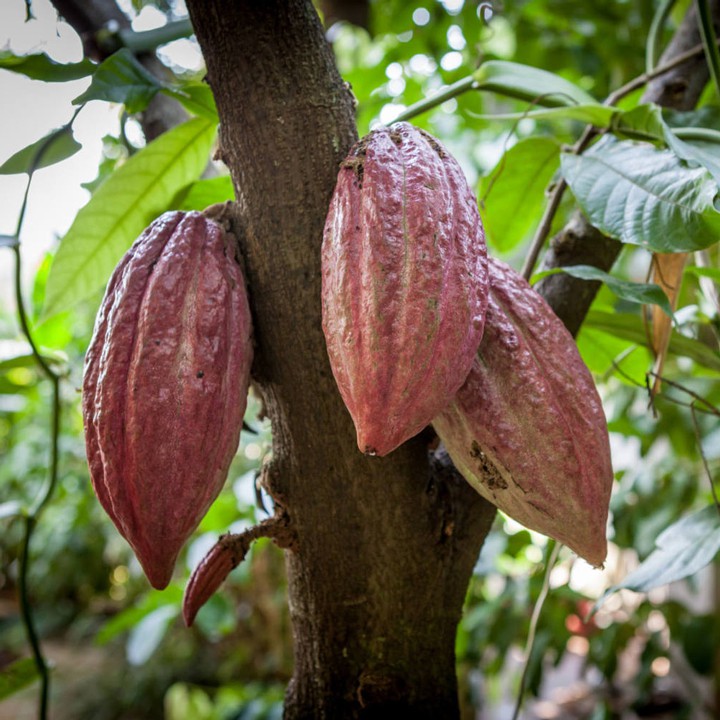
404, 283
165, 386
527, 428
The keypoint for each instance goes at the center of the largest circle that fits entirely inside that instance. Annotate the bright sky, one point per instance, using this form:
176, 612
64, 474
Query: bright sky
32, 109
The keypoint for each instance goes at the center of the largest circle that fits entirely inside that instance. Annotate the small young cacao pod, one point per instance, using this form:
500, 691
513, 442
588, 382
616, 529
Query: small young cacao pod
404, 283
527, 428
166, 382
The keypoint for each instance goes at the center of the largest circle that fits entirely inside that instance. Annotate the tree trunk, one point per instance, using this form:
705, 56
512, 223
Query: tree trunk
385, 547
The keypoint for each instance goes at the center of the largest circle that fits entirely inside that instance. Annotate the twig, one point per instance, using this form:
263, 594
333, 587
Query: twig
711, 408
698, 438
32, 516
544, 590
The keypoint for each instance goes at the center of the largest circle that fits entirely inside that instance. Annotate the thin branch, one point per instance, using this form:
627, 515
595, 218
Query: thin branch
31, 518
534, 620
710, 407
451, 91
698, 438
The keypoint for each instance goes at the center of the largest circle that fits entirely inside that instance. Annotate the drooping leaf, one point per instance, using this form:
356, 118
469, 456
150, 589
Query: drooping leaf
644, 196
205, 192
647, 122
512, 194
682, 549
16, 676
196, 98
525, 82
122, 79
639, 293
53, 148
667, 272
697, 152
594, 114
631, 327
41, 67
121, 208
644, 122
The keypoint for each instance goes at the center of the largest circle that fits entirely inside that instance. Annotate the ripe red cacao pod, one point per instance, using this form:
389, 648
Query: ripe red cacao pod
404, 283
527, 428
166, 382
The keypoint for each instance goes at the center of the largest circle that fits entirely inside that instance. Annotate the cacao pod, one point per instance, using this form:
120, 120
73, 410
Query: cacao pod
404, 283
166, 382
527, 428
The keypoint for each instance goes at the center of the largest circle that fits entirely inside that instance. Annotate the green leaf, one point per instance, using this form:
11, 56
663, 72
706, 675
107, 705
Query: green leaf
644, 196
205, 192
712, 273
16, 676
41, 67
196, 98
644, 122
149, 632
53, 148
640, 293
682, 549
632, 328
514, 192
131, 616
121, 208
122, 79
595, 114
525, 82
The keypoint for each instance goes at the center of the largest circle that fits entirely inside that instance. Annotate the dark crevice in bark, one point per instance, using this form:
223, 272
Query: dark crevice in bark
579, 243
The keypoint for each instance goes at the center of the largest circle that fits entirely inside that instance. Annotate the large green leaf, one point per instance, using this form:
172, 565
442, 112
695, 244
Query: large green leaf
122, 79
644, 196
196, 98
640, 293
205, 192
53, 148
595, 114
525, 82
682, 549
121, 207
513, 193
41, 67
631, 327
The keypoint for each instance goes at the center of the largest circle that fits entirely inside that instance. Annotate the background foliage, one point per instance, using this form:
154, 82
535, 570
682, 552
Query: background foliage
639, 652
